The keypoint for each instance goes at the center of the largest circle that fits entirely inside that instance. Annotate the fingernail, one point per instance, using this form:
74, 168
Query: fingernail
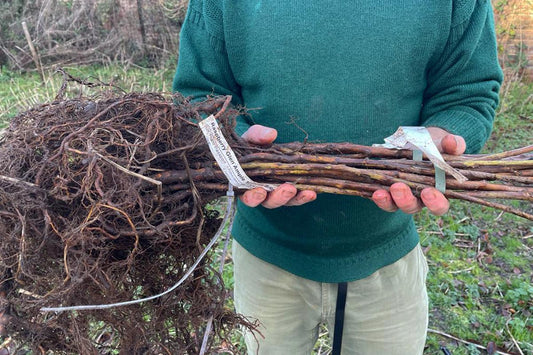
380, 197
401, 193
430, 195
265, 131
286, 193
456, 140
259, 195
305, 198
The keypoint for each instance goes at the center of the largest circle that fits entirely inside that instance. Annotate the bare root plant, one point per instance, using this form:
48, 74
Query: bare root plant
83, 223
103, 199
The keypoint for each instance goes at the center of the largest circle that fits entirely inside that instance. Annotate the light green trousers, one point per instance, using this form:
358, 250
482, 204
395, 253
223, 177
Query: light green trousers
386, 313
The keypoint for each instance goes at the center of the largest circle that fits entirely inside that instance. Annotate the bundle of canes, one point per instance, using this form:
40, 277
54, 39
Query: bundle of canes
351, 169
106, 199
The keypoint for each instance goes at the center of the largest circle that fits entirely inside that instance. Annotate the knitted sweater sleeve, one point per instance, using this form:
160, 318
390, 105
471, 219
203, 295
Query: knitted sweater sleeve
464, 82
203, 66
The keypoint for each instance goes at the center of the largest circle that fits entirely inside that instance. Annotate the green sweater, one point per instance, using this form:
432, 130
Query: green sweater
343, 71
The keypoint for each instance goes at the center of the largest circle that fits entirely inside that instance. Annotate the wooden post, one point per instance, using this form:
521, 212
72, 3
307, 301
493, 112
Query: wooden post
33, 51
141, 24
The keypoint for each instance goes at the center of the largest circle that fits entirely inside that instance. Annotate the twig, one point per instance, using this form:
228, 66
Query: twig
22, 246
507, 154
27, 293
438, 332
33, 51
16, 181
512, 337
146, 178
460, 271
227, 101
6, 343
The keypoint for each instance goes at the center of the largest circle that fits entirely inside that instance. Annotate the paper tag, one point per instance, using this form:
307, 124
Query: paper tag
419, 138
225, 157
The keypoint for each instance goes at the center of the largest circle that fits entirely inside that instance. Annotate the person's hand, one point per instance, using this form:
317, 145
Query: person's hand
285, 194
400, 195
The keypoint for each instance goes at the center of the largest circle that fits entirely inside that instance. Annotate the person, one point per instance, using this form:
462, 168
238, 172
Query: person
344, 71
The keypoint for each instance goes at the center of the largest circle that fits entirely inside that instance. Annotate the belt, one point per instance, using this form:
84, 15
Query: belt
339, 318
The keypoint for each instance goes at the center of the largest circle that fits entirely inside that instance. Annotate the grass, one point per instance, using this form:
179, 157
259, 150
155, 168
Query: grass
480, 280
20, 91
480, 259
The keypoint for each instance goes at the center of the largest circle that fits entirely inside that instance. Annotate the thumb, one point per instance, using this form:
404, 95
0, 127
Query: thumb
446, 142
261, 135
453, 144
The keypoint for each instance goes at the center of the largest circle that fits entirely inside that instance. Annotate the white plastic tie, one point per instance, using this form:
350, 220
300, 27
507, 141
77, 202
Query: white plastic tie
225, 157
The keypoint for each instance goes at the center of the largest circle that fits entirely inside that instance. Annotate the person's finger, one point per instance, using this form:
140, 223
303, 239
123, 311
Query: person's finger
404, 198
447, 142
383, 200
254, 197
453, 144
280, 196
301, 198
261, 135
435, 201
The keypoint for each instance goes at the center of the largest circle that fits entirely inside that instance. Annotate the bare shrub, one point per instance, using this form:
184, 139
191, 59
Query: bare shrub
72, 32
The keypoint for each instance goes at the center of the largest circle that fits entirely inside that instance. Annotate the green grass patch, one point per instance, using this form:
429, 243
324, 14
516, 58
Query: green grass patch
21, 91
479, 283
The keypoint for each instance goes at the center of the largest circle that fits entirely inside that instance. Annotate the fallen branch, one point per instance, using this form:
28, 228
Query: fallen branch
438, 332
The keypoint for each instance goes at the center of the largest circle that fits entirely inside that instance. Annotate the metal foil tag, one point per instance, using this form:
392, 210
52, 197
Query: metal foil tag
419, 139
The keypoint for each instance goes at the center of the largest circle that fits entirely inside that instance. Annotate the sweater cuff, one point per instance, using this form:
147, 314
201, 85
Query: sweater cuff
461, 123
